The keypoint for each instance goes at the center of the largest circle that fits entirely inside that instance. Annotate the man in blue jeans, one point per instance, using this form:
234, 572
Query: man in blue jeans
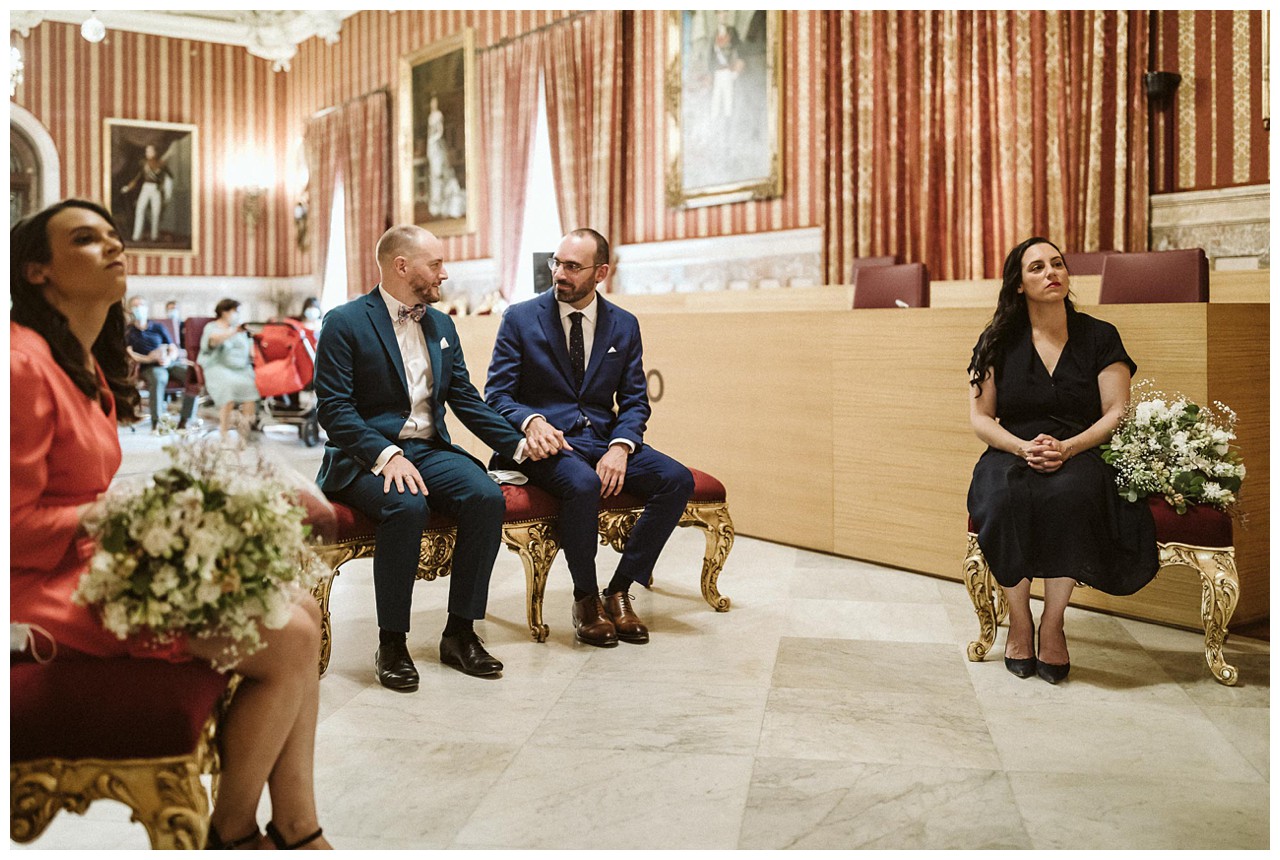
159, 360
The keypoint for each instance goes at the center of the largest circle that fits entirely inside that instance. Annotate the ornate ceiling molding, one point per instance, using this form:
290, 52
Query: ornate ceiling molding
271, 35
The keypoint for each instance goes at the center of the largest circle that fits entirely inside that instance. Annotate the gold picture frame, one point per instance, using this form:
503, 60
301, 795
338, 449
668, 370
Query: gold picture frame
149, 185
436, 136
723, 106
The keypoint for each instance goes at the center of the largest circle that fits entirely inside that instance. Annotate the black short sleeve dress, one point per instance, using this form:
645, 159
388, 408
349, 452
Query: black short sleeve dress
1071, 523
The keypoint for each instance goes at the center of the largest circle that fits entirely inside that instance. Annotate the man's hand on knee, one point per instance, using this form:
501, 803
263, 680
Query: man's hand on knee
404, 474
612, 469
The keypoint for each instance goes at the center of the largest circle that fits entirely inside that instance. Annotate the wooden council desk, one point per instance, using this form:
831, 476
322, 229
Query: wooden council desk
847, 431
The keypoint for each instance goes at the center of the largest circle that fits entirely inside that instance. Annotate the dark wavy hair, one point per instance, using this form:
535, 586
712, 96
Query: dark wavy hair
1010, 318
29, 243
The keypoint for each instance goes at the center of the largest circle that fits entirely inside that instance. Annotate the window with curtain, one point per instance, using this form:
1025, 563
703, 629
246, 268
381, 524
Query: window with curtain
334, 290
541, 227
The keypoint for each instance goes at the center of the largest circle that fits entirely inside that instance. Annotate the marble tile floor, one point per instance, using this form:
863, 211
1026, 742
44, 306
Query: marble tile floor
832, 707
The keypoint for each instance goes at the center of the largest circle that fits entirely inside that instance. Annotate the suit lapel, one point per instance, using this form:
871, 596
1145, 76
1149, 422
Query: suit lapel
432, 337
376, 307
554, 331
603, 339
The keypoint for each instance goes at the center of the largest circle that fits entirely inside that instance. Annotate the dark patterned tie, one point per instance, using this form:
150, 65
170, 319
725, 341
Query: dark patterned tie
415, 313
577, 353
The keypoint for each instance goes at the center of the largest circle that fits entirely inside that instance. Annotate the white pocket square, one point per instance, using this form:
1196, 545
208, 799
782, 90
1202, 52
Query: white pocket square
444, 343
611, 349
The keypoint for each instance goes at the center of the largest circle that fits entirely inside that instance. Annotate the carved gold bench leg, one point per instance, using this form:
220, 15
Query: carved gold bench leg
333, 557
1219, 593
717, 527
982, 591
165, 796
537, 545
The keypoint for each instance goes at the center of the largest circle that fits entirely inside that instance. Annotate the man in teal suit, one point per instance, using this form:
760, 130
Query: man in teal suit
386, 366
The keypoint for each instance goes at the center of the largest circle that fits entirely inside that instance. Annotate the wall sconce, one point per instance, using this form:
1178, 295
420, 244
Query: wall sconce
253, 181
301, 211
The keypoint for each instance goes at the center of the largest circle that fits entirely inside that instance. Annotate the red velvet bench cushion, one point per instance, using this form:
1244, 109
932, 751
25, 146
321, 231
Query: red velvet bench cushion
525, 502
109, 708
1201, 525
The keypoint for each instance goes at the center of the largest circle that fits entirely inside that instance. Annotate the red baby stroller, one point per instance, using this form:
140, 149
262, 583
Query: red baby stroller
284, 361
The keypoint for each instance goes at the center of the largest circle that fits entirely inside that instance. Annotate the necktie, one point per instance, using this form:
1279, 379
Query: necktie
407, 312
577, 353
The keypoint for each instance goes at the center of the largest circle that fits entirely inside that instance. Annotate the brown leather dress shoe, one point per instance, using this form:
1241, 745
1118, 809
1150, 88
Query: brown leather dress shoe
592, 625
629, 626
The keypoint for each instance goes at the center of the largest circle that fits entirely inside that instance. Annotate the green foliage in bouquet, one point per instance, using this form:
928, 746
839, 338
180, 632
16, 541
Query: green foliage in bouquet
213, 546
1172, 446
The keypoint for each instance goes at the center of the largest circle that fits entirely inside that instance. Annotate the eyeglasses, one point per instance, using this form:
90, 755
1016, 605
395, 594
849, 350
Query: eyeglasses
571, 268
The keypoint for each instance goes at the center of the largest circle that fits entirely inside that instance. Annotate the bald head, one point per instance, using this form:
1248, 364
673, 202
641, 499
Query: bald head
411, 262
403, 240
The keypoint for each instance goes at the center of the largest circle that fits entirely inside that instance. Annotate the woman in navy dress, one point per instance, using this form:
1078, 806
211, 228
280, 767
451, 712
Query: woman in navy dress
1048, 385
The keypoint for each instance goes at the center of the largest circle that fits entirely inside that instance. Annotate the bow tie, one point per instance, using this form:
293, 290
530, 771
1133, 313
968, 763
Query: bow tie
407, 312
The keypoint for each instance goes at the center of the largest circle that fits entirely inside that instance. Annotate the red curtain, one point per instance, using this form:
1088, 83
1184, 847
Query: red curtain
955, 134
509, 93
366, 123
353, 141
582, 68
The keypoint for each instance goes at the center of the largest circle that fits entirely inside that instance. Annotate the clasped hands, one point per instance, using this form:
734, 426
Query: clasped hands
542, 441
1045, 454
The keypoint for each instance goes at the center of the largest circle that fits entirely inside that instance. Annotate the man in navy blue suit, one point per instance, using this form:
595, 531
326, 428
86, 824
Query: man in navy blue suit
568, 370
386, 366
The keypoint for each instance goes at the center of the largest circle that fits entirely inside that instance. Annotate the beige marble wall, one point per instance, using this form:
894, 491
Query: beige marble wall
1233, 225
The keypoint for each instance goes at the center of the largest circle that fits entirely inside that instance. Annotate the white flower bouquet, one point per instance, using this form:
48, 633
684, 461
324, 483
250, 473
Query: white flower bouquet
212, 546
1170, 445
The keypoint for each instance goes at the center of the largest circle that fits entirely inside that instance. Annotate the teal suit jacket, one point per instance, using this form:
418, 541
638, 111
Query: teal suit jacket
364, 397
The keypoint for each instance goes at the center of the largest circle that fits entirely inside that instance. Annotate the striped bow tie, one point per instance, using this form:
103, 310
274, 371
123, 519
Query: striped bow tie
407, 312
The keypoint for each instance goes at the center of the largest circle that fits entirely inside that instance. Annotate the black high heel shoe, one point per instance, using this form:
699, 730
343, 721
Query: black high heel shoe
1051, 672
282, 844
1023, 668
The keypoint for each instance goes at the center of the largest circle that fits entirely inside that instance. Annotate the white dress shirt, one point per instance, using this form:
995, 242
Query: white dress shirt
589, 314
418, 376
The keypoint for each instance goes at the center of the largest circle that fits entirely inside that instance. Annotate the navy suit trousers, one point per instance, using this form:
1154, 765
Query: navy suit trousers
456, 486
664, 485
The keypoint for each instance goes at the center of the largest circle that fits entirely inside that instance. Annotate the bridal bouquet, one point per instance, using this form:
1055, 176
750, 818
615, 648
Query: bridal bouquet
211, 546
1169, 445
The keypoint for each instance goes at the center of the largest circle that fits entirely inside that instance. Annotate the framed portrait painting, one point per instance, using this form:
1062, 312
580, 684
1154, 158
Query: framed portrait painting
437, 188
149, 184
723, 98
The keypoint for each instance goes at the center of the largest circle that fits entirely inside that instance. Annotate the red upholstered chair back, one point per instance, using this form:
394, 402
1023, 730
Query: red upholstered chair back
870, 262
192, 331
1155, 277
1086, 262
885, 286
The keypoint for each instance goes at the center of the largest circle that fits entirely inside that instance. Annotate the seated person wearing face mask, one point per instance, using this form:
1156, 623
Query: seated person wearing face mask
159, 360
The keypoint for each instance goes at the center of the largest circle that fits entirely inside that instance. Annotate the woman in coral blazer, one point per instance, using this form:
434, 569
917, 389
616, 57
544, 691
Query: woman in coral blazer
70, 384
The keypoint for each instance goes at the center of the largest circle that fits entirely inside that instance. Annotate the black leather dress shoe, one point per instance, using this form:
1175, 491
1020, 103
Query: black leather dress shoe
465, 652
395, 667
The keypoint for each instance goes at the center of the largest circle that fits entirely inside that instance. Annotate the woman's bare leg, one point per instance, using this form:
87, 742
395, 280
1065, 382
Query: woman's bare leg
276, 701
1018, 644
224, 418
1053, 637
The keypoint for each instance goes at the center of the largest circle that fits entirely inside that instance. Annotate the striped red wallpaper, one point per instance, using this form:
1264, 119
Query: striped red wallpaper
241, 106
1219, 140
235, 100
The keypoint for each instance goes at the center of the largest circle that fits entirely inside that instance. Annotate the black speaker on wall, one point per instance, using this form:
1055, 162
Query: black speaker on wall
541, 274
1161, 86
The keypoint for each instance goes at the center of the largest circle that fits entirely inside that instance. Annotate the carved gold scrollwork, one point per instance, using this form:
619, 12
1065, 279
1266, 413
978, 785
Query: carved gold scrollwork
334, 556
977, 580
537, 545
615, 527
717, 527
435, 555
1219, 594
165, 796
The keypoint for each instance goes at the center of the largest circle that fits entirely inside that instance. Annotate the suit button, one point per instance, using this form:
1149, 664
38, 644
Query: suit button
404, 414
